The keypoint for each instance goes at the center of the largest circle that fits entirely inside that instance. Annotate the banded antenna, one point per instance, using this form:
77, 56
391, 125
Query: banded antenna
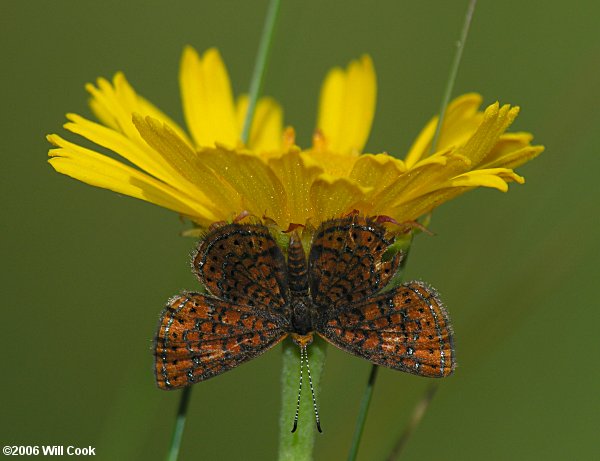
304, 356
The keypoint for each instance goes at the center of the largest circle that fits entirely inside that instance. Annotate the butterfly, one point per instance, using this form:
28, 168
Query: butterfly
255, 298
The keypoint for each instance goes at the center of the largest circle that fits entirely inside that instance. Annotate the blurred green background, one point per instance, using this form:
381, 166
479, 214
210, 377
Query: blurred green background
86, 272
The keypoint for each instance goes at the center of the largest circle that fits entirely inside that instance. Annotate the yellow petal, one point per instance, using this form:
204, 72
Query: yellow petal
496, 178
332, 163
378, 170
460, 122
101, 171
104, 96
496, 120
413, 206
413, 209
260, 190
115, 103
347, 106
440, 158
266, 133
333, 197
478, 178
512, 150
103, 113
428, 174
377, 173
467, 156
516, 158
196, 178
138, 153
140, 105
207, 98
297, 174
412, 183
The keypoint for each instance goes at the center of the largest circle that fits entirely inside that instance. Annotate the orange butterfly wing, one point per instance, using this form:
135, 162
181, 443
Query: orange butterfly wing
346, 262
406, 328
242, 264
202, 336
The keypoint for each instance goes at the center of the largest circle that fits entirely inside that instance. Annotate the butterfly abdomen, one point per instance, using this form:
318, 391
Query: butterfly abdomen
297, 268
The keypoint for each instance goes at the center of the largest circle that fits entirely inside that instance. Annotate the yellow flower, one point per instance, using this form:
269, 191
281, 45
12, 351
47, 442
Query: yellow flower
208, 175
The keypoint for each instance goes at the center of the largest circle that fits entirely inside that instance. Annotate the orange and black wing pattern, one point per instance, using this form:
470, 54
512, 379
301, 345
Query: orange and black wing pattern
202, 336
346, 263
406, 328
242, 264
243, 314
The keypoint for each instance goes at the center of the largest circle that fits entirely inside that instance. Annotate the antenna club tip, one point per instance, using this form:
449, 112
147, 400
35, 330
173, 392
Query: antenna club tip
319, 427
295, 426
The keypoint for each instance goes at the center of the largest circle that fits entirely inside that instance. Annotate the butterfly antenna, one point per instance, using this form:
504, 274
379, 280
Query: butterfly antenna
302, 352
312, 391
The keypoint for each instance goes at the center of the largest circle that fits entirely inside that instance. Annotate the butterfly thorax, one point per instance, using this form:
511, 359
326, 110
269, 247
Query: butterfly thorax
301, 322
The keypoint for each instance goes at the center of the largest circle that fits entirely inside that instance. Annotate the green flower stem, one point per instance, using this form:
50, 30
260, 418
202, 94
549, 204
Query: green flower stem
179, 424
298, 446
260, 66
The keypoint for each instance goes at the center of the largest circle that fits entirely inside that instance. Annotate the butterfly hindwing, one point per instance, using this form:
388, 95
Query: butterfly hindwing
406, 328
201, 336
346, 262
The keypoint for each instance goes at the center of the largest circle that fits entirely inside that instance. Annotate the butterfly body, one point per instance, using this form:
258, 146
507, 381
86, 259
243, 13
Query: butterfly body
303, 313
256, 298
302, 316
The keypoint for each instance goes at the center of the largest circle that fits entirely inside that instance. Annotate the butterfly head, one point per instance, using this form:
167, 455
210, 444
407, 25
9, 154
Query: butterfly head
302, 340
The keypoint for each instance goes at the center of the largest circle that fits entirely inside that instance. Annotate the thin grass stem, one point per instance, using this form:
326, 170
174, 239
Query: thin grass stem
362, 413
460, 46
421, 407
415, 420
368, 392
424, 403
260, 65
179, 424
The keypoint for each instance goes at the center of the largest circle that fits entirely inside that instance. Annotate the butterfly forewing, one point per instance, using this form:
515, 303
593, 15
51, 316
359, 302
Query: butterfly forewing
201, 336
406, 329
346, 264
242, 263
